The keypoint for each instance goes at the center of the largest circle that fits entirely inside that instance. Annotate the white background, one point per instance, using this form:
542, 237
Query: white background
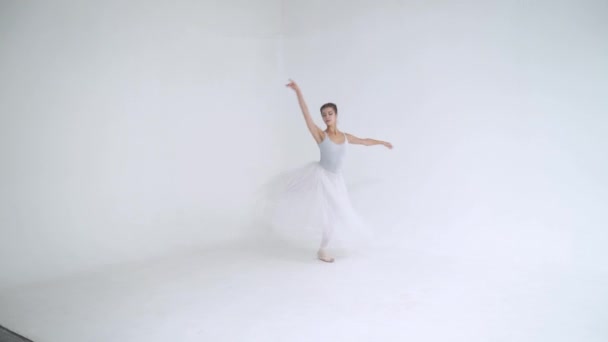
136, 130
130, 129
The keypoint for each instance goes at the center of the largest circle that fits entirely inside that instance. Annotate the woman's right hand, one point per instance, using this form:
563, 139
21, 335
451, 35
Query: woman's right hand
293, 85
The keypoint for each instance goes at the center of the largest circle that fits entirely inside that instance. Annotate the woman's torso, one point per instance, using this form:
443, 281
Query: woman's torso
332, 153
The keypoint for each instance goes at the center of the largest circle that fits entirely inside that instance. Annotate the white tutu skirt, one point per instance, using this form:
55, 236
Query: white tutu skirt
311, 206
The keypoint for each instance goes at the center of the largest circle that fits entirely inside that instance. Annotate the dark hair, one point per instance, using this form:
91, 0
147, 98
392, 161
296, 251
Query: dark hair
330, 105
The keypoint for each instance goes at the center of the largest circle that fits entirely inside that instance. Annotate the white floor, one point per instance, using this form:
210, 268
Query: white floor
414, 289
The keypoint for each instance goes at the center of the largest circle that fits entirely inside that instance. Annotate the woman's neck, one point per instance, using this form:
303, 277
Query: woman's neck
332, 129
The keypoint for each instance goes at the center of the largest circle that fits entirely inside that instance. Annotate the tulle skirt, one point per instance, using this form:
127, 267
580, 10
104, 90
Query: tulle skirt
311, 206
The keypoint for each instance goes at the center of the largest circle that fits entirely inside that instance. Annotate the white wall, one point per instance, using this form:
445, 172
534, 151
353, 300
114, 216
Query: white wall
497, 111
131, 129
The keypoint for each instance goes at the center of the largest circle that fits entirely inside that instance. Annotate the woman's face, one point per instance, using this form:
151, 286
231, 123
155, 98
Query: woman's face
329, 116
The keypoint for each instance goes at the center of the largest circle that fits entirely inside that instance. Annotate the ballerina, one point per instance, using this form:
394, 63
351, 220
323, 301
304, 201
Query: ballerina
315, 196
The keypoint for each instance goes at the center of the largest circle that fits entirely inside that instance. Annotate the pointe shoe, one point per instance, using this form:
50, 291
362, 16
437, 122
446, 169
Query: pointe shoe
323, 257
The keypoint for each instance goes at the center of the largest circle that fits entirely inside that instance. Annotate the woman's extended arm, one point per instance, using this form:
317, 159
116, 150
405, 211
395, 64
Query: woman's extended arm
316, 132
367, 142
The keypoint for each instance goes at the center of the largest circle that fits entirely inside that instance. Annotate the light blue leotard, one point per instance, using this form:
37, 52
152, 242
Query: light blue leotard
332, 154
